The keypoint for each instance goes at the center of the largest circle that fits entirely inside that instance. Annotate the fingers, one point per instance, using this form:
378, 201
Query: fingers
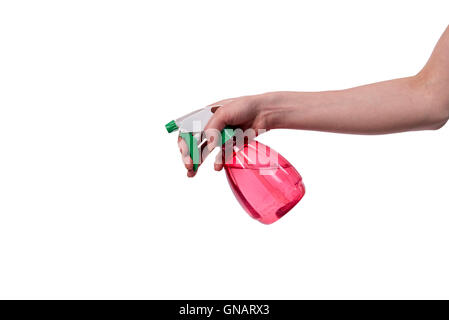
218, 165
183, 147
224, 156
187, 160
214, 127
185, 156
191, 173
188, 163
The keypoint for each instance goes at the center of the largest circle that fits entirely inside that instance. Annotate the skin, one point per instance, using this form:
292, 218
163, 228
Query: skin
419, 102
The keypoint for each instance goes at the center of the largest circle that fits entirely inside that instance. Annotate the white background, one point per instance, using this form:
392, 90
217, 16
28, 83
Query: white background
94, 202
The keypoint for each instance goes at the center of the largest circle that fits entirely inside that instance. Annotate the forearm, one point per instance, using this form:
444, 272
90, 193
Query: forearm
385, 107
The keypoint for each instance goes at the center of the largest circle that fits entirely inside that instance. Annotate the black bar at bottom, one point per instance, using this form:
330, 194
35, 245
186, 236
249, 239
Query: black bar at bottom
224, 309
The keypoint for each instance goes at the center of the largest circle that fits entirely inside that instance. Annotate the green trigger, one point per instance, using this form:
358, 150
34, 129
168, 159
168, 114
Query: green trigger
192, 144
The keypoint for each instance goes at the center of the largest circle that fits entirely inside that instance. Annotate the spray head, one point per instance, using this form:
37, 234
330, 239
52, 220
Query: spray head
191, 127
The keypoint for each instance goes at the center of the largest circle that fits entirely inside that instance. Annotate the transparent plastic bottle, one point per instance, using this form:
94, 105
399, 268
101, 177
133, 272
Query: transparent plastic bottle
265, 183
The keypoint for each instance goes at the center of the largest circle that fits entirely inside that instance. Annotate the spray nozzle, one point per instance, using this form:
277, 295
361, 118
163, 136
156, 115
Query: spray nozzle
171, 126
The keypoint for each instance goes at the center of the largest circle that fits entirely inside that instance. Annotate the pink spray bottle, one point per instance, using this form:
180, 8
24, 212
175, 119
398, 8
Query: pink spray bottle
266, 185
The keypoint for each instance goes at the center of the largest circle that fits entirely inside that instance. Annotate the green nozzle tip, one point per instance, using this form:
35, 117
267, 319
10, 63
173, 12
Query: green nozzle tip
171, 126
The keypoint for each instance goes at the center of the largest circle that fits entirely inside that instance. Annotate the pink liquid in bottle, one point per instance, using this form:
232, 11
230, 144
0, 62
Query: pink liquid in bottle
265, 183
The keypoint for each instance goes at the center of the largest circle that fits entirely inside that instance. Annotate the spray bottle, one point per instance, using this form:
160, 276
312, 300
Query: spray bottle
266, 185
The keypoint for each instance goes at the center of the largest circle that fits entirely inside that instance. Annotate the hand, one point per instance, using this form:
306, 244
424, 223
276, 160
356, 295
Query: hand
242, 112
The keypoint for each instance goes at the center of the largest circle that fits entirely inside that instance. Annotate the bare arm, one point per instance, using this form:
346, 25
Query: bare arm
415, 103
419, 102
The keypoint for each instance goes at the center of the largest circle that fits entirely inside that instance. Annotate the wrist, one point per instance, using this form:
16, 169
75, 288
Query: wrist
272, 108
